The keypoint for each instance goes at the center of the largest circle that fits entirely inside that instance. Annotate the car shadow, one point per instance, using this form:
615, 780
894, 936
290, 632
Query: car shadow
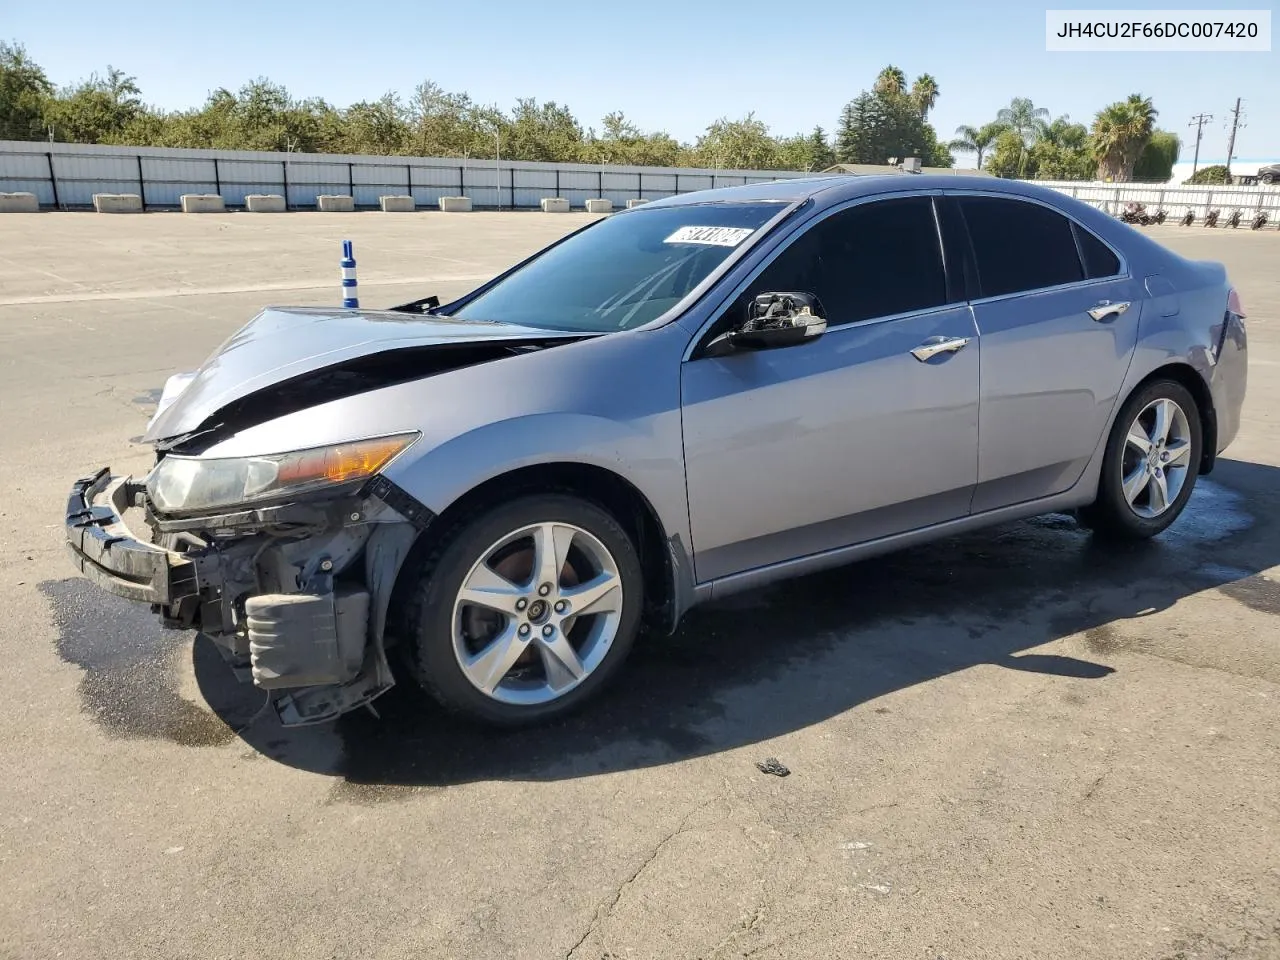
759, 665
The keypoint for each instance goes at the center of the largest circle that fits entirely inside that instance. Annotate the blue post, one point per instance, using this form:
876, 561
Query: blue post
350, 294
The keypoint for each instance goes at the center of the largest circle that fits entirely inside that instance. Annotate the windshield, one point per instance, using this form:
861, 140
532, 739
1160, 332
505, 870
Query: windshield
623, 272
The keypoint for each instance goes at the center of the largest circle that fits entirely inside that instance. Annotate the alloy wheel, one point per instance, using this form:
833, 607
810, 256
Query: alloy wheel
537, 613
1157, 456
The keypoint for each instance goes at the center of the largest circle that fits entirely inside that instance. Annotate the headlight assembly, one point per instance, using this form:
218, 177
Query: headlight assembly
192, 484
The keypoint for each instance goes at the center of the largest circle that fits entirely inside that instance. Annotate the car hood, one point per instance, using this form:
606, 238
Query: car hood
287, 358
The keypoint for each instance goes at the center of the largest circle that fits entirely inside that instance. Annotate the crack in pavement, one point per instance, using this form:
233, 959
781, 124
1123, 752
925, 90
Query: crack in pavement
605, 910
750, 926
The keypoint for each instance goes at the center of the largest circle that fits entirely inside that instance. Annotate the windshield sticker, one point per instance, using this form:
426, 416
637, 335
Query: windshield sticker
711, 236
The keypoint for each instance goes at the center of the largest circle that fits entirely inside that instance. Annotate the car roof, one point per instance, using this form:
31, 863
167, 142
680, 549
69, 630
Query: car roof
835, 188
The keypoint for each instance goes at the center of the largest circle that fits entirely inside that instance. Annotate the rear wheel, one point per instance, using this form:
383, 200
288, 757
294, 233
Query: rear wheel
1150, 465
527, 610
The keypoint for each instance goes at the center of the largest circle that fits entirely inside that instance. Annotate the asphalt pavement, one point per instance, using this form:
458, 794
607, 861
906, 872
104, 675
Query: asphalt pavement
1018, 743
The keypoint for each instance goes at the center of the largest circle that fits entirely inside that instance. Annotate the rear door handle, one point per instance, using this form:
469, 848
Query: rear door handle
1105, 309
936, 345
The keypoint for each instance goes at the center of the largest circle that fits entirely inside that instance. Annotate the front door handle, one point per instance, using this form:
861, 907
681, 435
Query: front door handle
1105, 309
936, 345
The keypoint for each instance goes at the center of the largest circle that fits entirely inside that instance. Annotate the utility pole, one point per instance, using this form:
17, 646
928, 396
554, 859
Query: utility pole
1231, 143
497, 162
1198, 122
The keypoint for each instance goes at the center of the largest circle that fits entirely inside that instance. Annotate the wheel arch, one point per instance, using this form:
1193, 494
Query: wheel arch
661, 556
1186, 375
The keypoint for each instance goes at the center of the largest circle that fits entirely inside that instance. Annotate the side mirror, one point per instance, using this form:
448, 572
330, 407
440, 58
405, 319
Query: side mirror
773, 320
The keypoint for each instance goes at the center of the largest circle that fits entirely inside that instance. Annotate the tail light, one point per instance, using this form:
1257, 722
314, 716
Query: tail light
1234, 305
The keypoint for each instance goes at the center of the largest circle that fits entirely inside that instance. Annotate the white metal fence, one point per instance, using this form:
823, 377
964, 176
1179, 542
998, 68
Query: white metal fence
68, 175
1111, 197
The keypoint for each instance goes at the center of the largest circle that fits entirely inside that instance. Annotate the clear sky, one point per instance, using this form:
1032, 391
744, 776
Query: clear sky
668, 65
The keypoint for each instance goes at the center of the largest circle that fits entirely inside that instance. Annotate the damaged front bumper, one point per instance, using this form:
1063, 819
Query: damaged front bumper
294, 595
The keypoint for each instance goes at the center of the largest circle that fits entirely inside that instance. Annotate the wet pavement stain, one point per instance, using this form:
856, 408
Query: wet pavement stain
129, 686
1104, 639
1256, 592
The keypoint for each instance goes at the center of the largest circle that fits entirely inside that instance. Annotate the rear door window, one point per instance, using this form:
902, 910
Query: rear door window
1020, 246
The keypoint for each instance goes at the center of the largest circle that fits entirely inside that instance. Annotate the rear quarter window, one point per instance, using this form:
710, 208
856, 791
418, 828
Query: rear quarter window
1099, 260
1020, 246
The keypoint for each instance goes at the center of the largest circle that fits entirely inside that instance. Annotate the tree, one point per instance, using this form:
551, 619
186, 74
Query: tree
1024, 118
1217, 173
97, 110
1051, 161
546, 131
623, 142
24, 90
1121, 132
1061, 152
933, 153
924, 94
820, 150
879, 127
1156, 161
1008, 158
890, 80
443, 124
807, 153
377, 127
736, 144
977, 139
1063, 133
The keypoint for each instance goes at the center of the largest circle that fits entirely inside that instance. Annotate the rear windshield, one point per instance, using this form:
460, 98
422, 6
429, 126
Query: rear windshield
622, 272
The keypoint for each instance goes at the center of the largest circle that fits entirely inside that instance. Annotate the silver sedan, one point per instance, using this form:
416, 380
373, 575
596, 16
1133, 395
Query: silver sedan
692, 398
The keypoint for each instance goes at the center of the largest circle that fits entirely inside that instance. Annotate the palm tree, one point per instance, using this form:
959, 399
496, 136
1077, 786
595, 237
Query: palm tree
890, 80
1120, 132
1108, 141
1063, 133
1024, 118
924, 94
976, 139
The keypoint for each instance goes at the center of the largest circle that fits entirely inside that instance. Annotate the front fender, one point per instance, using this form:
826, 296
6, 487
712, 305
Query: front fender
646, 454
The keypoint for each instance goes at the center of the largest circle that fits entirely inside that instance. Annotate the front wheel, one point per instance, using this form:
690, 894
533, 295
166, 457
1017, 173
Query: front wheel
526, 611
1150, 465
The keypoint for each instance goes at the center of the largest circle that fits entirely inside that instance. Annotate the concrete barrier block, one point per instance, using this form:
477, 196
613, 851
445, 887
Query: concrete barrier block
599, 206
117, 203
264, 203
455, 204
335, 203
19, 203
397, 204
203, 203
555, 205
635, 203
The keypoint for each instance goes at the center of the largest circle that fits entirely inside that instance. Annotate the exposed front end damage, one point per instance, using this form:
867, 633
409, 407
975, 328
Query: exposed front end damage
294, 594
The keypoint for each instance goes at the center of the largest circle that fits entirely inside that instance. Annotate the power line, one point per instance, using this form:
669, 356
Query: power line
1198, 122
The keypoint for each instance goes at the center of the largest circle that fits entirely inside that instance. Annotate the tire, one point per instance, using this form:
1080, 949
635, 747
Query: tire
457, 648
1270, 178
1115, 514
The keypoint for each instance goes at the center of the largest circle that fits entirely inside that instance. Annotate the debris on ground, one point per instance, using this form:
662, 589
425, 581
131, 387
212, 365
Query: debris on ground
772, 766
